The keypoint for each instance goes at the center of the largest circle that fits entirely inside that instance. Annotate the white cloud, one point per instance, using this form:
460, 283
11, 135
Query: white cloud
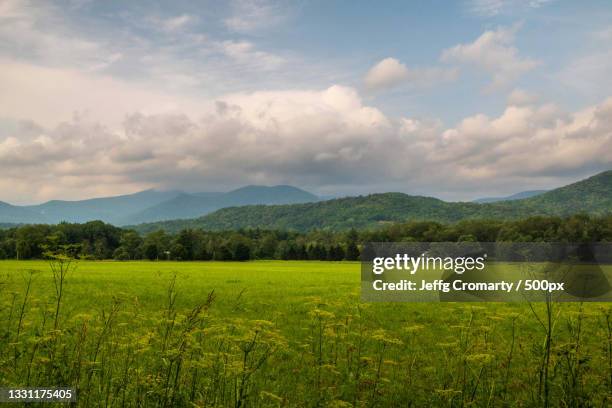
389, 72
274, 130
529, 141
326, 138
494, 53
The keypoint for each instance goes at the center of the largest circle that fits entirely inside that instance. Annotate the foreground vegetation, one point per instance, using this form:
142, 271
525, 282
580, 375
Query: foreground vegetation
96, 240
274, 333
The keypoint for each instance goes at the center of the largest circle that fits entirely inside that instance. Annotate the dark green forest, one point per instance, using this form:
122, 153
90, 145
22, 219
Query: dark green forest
97, 240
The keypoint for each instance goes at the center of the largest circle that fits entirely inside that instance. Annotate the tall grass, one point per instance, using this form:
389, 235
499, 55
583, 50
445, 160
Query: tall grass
198, 347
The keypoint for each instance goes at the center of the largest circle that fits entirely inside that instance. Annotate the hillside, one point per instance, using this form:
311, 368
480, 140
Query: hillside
343, 213
593, 195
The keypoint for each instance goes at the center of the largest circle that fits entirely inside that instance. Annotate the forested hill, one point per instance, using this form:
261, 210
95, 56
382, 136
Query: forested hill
592, 195
339, 214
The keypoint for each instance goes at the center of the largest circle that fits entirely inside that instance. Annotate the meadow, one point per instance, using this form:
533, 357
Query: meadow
286, 333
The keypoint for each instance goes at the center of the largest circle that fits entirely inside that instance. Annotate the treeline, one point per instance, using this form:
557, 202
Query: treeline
97, 240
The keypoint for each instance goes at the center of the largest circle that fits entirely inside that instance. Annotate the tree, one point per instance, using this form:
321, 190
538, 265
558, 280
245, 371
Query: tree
100, 248
189, 240
222, 253
179, 252
155, 245
335, 253
149, 250
316, 252
121, 254
242, 252
267, 247
352, 252
130, 244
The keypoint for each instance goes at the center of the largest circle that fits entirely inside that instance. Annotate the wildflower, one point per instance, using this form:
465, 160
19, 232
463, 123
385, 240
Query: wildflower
482, 358
414, 328
382, 336
321, 314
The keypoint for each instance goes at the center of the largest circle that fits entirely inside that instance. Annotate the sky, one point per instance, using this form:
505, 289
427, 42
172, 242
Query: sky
456, 100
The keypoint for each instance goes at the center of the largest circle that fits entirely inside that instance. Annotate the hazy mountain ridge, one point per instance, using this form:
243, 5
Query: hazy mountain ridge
14, 214
193, 205
114, 210
148, 205
592, 195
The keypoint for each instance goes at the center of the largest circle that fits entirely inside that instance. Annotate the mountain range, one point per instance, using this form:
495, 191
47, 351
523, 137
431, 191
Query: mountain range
592, 196
287, 207
149, 205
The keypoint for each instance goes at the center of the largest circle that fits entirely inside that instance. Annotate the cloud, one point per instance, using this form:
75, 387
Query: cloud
494, 53
530, 141
36, 32
173, 24
245, 52
87, 111
252, 15
326, 138
520, 97
389, 72
273, 129
49, 95
164, 53
491, 8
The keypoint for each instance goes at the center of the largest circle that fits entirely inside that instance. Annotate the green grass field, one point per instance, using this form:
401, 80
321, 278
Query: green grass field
287, 334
